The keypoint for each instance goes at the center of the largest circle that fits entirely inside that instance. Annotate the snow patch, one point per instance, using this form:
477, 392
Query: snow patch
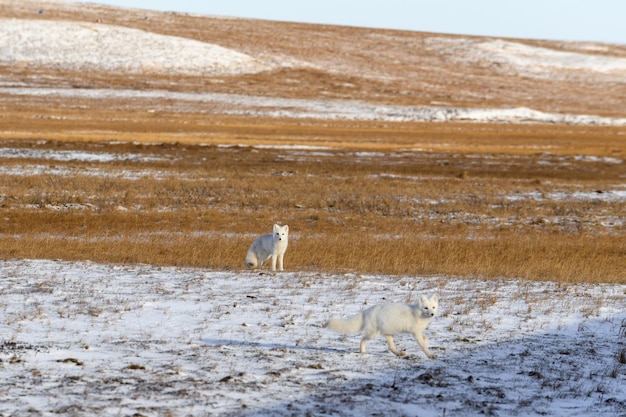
324, 109
84, 156
532, 57
82, 46
608, 196
528, 60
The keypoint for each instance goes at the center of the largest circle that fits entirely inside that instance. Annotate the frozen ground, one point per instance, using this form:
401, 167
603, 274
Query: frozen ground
89, 339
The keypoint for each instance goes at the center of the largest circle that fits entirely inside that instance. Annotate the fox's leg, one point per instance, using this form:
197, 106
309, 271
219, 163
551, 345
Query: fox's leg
280, 262
423, 342
273, 262
392, 346
364, 342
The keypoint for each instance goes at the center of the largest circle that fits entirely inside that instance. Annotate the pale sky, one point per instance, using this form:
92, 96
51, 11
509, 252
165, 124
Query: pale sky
578, 20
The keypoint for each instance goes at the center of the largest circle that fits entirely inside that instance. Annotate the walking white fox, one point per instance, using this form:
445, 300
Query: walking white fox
389, 320
272, 245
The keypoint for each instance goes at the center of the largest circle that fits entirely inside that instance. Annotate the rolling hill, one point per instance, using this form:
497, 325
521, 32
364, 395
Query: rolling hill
54, 51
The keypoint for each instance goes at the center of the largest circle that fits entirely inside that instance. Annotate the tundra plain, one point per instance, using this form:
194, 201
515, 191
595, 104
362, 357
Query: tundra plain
139, 164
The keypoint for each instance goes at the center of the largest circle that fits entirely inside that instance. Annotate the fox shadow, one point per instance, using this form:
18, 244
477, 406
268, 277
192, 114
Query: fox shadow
537, 373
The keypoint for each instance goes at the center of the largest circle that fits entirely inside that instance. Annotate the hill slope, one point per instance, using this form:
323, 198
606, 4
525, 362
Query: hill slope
65, 45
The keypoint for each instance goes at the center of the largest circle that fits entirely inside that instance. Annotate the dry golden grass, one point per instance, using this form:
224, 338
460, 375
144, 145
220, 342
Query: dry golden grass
395, 212
396, 198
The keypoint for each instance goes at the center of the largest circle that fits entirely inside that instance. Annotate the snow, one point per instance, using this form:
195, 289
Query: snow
84, 156
324, 109
527, 57
80, 338
52, 44
532, 61
609, 196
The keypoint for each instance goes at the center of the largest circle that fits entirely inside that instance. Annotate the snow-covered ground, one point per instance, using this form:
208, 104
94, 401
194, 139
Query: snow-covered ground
90, 339
532, 61
53, 44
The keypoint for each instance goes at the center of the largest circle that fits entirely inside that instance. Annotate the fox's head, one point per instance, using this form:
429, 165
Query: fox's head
281, 232
429, 305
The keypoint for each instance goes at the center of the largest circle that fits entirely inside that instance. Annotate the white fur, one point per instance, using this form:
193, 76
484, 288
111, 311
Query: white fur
389, 320
272, 245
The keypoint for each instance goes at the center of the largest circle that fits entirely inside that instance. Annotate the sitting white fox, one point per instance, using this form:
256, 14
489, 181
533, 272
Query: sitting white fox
389, 320
272, 245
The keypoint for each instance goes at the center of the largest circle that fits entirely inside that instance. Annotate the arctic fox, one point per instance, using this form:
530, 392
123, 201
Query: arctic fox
272, 245
389, 320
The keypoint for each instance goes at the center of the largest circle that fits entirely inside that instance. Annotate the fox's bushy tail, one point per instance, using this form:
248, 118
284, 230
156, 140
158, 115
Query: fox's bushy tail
251, 260
350, 325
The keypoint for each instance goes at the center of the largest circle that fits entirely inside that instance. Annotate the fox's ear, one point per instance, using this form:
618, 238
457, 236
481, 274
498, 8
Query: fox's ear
286, 228
423, 300
434, 298
276, 228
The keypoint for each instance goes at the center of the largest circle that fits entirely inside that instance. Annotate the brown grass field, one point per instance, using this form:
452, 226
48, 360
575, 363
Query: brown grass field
463, 199
454, 199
